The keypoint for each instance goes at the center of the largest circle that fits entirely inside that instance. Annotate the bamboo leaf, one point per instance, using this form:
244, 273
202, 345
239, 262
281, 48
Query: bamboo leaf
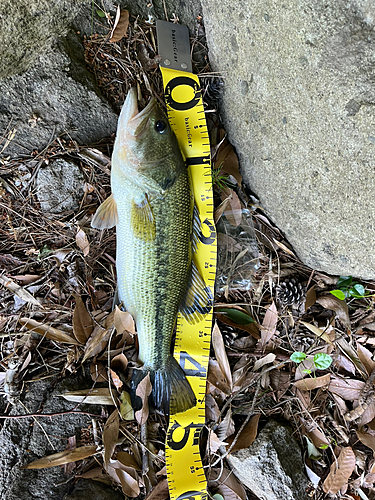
83, 324
64, 457
48, 331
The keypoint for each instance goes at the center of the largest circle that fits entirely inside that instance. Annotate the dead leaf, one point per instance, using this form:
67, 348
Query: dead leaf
368, 415
226, 428
349, 389
340, 475
83, 324
268, 328
120, 26
318, 438
221, 354
159, 492
212, 409
128, 460
310, 297
129, 484
217, 378
215, 443
225, 482
110, 436
94, 396
47, 331
98, 372
126, 409
119, 363
365, 357
311, 383
317, 331
18, 290
270, 358
280, 382
233, 210
143, 390
367, 439
83, 242
247, 436
26, 279
339, 306
96, 342
117, 382
64, 457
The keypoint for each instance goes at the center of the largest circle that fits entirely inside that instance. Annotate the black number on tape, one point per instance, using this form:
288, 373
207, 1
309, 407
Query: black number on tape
176, 82
207, 240
178, 445
198, 160
192, 495
200, 370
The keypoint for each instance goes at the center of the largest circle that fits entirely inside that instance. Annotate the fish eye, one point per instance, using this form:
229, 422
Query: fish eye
160, 126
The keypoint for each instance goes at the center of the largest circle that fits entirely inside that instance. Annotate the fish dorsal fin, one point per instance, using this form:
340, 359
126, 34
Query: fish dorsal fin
198, 300
106, 216
142, 220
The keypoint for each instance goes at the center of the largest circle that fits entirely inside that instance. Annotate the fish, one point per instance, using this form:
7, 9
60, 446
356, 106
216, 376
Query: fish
157, 232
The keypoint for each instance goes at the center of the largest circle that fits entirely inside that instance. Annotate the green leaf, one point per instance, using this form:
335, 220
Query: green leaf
298, 357
357, 291
322, 361
235, 315
323, 446
100, 13
338, 293
307, 371
344, 281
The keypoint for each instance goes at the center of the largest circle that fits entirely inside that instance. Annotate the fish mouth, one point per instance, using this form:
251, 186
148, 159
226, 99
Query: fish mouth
132, 120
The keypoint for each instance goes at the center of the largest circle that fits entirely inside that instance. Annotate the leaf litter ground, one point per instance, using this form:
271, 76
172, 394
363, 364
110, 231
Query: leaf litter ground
272, 342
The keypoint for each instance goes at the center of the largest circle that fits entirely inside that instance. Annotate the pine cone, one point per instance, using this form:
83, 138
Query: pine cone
291, 293
213, 88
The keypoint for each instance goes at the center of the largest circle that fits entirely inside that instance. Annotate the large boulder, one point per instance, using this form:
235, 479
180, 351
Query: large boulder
299, 108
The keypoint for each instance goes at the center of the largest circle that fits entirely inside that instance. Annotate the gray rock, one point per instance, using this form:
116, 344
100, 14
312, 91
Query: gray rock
272, 467
57, 95
94, 491
24, 440
28, 27
299, 108
59, 186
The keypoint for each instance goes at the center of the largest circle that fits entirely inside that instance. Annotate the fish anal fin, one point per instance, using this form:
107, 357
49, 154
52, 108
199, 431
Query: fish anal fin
142, 220
198, 300
106, 215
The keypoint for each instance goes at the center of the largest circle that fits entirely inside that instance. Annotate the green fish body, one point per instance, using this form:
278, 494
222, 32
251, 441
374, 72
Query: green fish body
152, 208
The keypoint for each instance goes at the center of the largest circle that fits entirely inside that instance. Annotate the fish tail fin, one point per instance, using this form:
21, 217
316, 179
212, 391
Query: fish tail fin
171, 391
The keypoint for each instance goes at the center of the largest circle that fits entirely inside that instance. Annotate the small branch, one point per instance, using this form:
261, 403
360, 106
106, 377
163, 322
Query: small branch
33, 415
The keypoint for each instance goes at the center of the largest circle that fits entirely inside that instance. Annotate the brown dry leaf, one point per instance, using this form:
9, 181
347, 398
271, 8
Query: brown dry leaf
159, 492
128, 460
225, 483
317, 331
365, 357
233, 211
101, 396
280, 382
129, 484
318, 438
268, 328
64, 457
221, 209
259, 363
310, 297
304, 397
227, 160
368, 415
48, 331
83, 324
334, 304
98, 474
212, 409
348, 389
117, 382
143, 391
367, 439
96, 342
215, 443
226, 428
82, 242
110, 436
221, 354
217, 378
340, 475
247, 436
309, 384
124, 324
18, 290
26, 279
98, 372
119, 362
120, 26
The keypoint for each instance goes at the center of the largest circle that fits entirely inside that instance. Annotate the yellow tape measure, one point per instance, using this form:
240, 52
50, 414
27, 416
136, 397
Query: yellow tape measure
186, 478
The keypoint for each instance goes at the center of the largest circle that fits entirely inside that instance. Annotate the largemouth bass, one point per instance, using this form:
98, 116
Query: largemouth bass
156, 226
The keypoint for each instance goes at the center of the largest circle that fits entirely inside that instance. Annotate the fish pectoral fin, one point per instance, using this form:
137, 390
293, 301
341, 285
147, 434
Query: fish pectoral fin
198, 300
106, 215
142, 220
